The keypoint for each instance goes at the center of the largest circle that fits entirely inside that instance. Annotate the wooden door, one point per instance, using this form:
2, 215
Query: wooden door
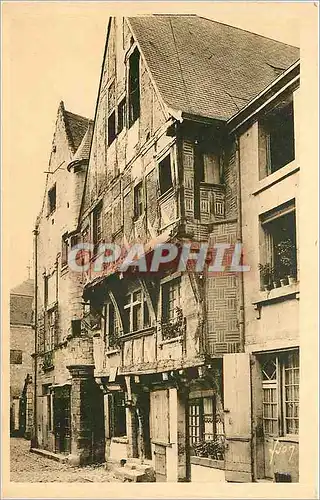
62, 421
237, 408
160, 460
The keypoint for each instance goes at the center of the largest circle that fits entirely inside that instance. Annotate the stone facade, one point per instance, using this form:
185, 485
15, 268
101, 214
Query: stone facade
21, 368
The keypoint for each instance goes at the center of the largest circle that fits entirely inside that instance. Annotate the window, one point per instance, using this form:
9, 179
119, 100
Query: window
276, 139
201, 420
64, 250
165, 175
97, 227
170, 299
111, 128
121, 115
51, 337
15, 357
138, 200
111, 325
209, 168
279, 241
136, 312
52, 199
117, 414
134, 87
280, 386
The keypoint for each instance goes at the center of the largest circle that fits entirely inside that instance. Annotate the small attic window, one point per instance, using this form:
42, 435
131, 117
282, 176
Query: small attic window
134, 87
52, 199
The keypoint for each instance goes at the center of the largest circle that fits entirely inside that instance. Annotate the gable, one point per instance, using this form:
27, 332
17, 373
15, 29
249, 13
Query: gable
107, 161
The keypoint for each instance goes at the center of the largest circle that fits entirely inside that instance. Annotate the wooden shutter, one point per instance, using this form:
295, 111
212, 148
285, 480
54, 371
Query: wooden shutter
237, 407
159, 407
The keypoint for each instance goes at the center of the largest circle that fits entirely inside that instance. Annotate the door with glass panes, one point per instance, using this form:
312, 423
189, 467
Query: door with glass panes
280, 401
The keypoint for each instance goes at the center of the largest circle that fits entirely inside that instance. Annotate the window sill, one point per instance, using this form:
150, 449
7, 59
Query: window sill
140, 333
275, 177
277, 294
207, 462
112, 352
161, 443
120, 440
165, 196
170, 341
291, 438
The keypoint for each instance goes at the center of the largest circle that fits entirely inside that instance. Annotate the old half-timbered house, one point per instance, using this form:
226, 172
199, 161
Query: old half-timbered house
169, 346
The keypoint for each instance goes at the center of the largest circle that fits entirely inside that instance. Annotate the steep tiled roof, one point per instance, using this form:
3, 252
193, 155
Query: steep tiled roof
206, 68
25, 288
20, 310
83, 150
76, 127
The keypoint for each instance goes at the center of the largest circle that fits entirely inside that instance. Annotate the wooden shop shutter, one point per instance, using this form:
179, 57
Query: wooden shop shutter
237, 407
159, 409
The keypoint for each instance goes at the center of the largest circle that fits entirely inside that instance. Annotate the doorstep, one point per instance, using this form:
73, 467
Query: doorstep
58, 457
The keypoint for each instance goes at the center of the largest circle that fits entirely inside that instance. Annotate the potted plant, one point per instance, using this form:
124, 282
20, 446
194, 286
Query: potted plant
275, 277
287, 257
265, 273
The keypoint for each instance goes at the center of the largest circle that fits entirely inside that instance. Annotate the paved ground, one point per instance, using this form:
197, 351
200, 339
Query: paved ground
28, 467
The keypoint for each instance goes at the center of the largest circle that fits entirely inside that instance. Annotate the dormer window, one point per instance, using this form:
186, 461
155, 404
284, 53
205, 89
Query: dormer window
52, 199
134, 87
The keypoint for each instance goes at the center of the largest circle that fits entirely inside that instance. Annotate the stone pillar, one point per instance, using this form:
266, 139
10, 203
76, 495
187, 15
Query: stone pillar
132, 432
182, 401
106, 402
81, 414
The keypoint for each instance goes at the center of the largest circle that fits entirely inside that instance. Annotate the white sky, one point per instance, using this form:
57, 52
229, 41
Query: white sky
53, 52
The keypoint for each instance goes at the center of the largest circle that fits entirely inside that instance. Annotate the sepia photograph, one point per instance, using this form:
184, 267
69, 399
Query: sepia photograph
156, 256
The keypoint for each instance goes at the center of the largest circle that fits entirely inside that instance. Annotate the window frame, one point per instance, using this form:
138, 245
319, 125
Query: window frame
121, 111
175, 280
64, 250
133, 116
267, 130
280, 399
96, 217
52, 206
171, 169
138, 204
200, 433
267, 239
131, 306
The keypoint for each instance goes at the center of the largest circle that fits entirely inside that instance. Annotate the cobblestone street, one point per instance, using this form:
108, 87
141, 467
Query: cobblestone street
29, 467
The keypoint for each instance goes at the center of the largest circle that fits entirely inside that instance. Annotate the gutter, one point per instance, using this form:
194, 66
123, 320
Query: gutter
290, 77
34, 439
239, 239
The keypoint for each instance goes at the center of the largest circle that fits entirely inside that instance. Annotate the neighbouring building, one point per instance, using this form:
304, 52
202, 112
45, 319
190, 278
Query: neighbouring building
21, 349
58, 293
267, 132
193, 141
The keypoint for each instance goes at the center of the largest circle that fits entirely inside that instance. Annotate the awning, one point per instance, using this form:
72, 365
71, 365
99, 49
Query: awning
96, 277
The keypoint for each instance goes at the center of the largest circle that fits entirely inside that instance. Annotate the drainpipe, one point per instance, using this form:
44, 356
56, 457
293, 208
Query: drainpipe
34, 440
241, 306
239, 240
